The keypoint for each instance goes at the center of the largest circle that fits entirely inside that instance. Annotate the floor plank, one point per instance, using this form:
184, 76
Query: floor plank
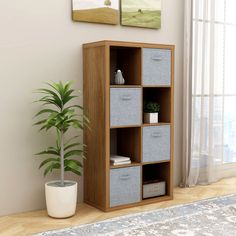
38, 221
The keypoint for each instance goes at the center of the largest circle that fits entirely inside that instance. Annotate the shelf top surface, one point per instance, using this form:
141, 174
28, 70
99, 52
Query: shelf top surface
127, 44
139, 164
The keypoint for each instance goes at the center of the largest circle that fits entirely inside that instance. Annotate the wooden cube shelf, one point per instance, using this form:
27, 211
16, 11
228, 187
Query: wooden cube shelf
116, 122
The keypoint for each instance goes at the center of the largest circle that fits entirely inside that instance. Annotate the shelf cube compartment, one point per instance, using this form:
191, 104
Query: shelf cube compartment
156, 143
125, 186
126, 142
156, 66
157, 173
125, 106
162, 96
128, 60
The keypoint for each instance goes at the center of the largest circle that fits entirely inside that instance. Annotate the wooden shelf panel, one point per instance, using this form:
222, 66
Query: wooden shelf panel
155, 162
127, 126
125, 86
142, 202
137, 164
156, 86
156, 124
142, 125
157, 199
126, 165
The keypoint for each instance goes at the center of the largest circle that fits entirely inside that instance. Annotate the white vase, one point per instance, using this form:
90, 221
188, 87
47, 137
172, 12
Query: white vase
61, 200
151, 118
119, 79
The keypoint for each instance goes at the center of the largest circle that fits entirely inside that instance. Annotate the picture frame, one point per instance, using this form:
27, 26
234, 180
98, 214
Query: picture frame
141, 13
96, 11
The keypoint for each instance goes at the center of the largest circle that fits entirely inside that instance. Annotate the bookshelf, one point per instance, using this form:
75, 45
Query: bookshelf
117, 127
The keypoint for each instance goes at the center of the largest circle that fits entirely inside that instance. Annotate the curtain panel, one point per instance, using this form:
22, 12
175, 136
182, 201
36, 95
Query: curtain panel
205, 117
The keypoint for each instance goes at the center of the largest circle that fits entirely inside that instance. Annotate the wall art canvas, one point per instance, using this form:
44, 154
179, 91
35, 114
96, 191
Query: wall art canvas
96, 11
141, 13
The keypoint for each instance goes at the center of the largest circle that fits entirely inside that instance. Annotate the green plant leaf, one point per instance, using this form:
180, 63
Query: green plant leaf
51, 167
47, 152
56, 149
76, 123
73, 165
73, 170
68, 98
45, 111
40, 122
48, 160
73, 153
51, 94
67, 93
73, 162
71, 139
76, 106
72, 145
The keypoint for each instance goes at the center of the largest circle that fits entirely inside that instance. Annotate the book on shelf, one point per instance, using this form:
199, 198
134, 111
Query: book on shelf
120, 163
116, 158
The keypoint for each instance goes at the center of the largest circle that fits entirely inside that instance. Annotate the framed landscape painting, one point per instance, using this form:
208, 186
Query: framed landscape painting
141, 13
96, 11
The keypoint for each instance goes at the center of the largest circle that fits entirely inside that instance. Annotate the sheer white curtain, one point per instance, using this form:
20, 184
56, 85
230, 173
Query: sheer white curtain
209, 135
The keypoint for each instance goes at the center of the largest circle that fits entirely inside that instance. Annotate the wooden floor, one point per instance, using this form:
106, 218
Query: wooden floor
38, 221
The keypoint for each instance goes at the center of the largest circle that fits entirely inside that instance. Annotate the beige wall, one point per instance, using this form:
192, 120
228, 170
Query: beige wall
39, 42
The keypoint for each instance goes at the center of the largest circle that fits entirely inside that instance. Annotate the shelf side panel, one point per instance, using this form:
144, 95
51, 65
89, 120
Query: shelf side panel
95, 164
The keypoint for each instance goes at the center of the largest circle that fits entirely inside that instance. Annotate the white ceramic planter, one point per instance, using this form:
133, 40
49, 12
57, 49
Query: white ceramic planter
61, 200
151, 118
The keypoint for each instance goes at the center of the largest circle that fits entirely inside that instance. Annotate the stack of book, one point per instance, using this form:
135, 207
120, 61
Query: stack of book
116, 160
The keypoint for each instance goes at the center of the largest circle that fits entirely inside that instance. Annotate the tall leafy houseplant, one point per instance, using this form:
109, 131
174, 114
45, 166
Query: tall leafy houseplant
60, 114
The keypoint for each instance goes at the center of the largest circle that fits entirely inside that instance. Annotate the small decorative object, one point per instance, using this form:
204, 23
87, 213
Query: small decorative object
141, 13
66, 155
119, 79
151, 110
102, 11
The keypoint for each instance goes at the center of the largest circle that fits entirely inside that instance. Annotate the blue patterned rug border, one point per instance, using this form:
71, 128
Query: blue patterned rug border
131, 220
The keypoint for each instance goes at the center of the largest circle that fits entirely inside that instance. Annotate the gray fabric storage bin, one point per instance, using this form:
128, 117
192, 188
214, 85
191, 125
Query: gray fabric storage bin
156, 143
154, 189
156, 66
125, 106
125, 185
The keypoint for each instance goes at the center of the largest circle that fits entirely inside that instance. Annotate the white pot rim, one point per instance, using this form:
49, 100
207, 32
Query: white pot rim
55, 181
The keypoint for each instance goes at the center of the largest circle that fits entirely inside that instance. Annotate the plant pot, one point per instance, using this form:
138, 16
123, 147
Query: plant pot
151, 118
61, 200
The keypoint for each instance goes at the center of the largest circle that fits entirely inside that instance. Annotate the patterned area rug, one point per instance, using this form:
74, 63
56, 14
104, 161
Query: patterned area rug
211, 217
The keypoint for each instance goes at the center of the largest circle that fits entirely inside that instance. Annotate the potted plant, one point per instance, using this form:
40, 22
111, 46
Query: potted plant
66, 155
151, 110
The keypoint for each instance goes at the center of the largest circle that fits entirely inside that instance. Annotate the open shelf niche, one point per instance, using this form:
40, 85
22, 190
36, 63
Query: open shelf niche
161, 95
158, 171
128, 60
126, 142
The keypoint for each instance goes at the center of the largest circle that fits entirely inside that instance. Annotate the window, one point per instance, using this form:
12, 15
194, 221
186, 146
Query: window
214, 28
